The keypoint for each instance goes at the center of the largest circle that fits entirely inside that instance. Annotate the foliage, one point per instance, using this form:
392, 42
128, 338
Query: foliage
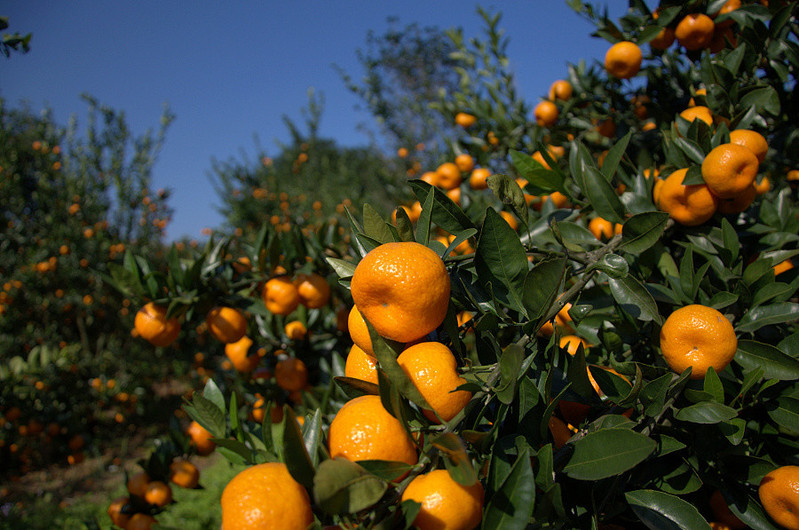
13, 41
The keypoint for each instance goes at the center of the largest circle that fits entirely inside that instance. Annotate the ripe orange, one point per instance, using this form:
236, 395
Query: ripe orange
364, 430
465, 120
446, 504
449, 176
184, 474
688, 205
602, 228
152, 325
763, 186
361, 365
739, 203
431, 177
402, 289
402, 152
115, 512
752, 140
239, 354
779, 495
313, 290
698, 113
783, 266
695, 31
137, 484
699, 337
662, 40
295, 330
200, 439
560, 89
721, 511
432, 368
358, 331
140, 521
249, 500
226, 324
157, 493
560, 431
465, 162
698, 92
557, 198
572, 343
607, 128
546, 114
291, 374
280, 296
478, 178
510, 219
623, 60
729, 169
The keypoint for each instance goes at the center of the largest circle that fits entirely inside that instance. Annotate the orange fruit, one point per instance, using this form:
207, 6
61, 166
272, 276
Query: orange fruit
752, 140
779, 495
402, 152
455, 195
291, 374
313, 289
763, 186
431, 177
158, 493
721, 511
560, 431
465, 162
140, 521
558, 199
721, 36
152, 325
546, 114
510, 219
695, 31
465, 120
364, 430
522, 182
729, 169
226, 324
662, 40
361, 365
478, 178
137, 484
248, 500
739, 203
295, 330
792, 175
602, 228
280, 295
432, 368
402, 289
688, 205
446, 504
698, 113
200, 439
607, 128
239, 354
783, 266
358, 331
449, 176
560, 89
115, 512
699, 337
571, 343
729, 7
623, 60
184, 474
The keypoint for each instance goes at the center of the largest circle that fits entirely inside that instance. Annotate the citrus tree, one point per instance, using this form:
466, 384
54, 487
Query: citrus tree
597, 330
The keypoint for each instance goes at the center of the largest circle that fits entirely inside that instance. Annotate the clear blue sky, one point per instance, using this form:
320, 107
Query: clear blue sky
230, 70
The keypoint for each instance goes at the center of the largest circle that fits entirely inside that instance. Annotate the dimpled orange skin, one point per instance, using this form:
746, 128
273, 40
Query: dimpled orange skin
313, 290
361, 365
364, 430
402, 289
237, 353
695, 31
698, 112
291, 374
752, 140
546, 114
779, 495
226, 324
688, 205
280, 296
740, 202
729, 169
623, 60
265, 496
153, 326
449, 176
358, 331
699, 337
434, 371
446, 505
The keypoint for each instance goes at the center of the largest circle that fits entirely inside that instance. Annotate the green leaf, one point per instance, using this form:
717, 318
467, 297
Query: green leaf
761, 316
615, 153
425, 218
385, 469
375, 227
662, 511
775, 364
509, 192
212, 393
765, 98
545, 180
542, 285
447, 215
633, 297
785, 413
602, 195
607, 453
501, 260
404, 225
654, 393
713, 386
613, 265
512, 503
509, 365
207, 414
341, 487
344, 269
706, 412
459, 465
295, 454
643, 230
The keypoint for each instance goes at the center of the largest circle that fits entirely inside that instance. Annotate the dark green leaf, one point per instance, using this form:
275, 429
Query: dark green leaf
297, 459
775, 364
511, 505
607, 453
542, 285
374, 226
340, 487
707, 412
501, 260
615, 153
509, 192
509, 364
661, 511
761, 316
643, 230
602, 196
633, 297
